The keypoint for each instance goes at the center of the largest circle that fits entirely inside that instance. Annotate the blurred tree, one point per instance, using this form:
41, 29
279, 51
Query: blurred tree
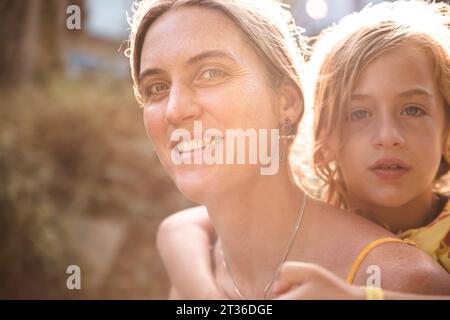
32, 37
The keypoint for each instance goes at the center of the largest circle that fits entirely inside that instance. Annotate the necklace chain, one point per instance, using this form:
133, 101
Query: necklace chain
268, 287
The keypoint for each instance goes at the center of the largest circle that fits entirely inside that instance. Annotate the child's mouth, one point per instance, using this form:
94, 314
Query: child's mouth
389, 168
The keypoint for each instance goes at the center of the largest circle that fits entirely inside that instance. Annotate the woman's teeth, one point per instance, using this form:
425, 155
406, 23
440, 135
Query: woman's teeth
194, 144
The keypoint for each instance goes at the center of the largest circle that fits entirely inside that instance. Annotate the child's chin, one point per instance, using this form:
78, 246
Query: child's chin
390, 200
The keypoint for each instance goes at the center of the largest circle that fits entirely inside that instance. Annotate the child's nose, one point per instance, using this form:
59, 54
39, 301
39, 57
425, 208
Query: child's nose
388, 134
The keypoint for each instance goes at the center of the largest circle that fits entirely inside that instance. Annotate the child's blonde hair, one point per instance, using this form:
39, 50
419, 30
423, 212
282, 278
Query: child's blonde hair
340, 56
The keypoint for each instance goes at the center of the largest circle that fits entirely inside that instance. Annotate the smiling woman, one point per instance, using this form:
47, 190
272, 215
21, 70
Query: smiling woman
237, 64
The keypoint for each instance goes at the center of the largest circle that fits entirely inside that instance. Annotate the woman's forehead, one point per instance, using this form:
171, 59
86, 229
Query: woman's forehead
188, 31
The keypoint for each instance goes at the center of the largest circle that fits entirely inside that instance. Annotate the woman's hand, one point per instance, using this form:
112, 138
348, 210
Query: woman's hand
306, 281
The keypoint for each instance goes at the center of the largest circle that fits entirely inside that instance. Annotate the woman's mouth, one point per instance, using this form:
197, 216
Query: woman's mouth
389, 169
187, 146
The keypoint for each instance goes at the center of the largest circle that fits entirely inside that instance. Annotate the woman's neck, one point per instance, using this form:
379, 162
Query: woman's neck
254, 227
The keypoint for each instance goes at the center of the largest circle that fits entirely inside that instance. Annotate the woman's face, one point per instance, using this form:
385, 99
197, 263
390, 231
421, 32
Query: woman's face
196, 65
393, 135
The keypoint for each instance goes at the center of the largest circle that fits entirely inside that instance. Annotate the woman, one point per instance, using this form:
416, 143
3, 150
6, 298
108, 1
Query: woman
234, 64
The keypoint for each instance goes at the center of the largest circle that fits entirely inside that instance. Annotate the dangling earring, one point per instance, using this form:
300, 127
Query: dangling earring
287, 132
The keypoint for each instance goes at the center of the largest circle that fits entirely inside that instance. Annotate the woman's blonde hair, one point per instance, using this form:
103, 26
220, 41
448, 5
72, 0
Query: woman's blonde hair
343, 51
269, 27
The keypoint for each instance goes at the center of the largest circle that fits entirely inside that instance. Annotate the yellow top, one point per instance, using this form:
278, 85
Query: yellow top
433, 239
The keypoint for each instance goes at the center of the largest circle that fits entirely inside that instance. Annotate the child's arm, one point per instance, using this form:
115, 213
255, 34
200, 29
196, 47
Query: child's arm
184, 241
299, 281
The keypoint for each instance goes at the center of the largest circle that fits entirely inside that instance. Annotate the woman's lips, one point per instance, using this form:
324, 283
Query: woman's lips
389, 168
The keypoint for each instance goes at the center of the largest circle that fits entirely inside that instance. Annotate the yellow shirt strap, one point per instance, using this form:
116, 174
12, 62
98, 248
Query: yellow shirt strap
351, 275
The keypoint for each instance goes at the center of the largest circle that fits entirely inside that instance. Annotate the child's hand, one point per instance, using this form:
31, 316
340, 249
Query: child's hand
305, 281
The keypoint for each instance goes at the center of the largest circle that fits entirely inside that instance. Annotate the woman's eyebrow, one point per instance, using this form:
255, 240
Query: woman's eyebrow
210, 54
149, 72
195, 59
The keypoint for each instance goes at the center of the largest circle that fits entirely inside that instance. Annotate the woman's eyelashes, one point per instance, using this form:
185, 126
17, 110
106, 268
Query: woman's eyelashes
155, 90
210, 77
212, 74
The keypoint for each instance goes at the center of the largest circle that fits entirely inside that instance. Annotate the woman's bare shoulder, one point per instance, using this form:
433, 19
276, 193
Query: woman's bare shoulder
347, 224
403, 267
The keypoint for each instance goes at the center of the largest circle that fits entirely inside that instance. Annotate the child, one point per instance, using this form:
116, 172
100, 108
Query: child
381, 101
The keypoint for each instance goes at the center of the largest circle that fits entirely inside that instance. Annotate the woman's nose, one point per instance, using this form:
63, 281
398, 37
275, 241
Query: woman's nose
388, 133
181, 105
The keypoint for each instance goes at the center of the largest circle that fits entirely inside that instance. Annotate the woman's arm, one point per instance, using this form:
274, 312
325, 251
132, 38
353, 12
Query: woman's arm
184, 242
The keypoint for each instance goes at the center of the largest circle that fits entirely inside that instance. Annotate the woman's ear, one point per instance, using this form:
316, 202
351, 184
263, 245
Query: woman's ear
291, 102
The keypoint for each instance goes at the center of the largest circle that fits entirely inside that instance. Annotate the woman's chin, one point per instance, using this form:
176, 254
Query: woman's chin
198, 183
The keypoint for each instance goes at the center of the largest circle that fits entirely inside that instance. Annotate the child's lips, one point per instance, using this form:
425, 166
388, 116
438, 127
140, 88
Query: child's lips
389, 168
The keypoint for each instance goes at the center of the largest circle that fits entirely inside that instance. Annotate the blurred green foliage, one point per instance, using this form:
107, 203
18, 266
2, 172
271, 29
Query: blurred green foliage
74, 148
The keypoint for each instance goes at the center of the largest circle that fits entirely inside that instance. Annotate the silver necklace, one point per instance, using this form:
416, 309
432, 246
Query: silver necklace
268, 288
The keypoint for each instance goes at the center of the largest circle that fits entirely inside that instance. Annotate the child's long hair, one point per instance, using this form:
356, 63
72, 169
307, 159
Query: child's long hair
341, 54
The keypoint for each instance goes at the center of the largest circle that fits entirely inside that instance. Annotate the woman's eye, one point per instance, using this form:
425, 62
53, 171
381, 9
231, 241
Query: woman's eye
157, 88
154, 90
359, 114
413, 111
212, 74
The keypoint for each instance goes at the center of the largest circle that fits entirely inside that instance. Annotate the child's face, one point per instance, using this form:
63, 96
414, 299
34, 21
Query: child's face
393, 135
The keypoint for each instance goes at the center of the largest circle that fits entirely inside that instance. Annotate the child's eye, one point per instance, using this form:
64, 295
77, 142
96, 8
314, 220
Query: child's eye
359, 114
413, 111
212, 74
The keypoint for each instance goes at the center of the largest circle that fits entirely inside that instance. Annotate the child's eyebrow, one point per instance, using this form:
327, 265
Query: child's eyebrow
359, 96
404, 94
415, 92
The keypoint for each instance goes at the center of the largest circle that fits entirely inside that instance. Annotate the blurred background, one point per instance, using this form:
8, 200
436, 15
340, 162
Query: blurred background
79, 182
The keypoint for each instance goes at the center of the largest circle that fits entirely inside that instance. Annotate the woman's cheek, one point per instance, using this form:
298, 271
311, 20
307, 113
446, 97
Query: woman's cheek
153, 121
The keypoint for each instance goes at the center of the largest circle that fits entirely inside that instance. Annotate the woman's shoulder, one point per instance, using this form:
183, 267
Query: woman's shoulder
349, 224
402, 267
